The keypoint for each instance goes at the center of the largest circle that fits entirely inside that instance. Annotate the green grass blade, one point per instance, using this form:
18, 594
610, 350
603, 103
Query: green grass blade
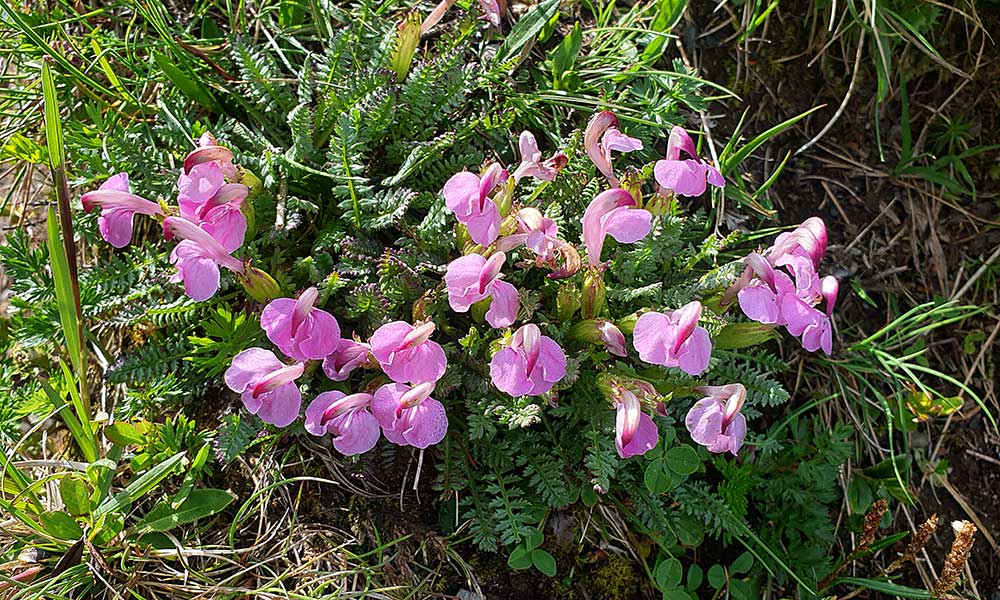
730, 163
525, 30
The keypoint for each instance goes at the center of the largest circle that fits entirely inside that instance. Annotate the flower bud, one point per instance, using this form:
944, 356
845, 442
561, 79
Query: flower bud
661, 203
259, 285
592, 298
601, 332
504, 197
632, 183
567, 302
742, 335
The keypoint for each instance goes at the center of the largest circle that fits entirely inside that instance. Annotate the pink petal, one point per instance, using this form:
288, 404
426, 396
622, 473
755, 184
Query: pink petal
683, 177
115, 225
387, 338
507, 370
652, 337
200, 274
797, 315
759, 303
276, 321
461, 193
249, 366
348, 356
118, 183
428, 424
280, 407
201, 183
484, 227
462, 279
503, 309
384, 403
227, 225
317, 337
704, 421
679, 141
315, 410
736, 431
426, 362
643, 440
628, 225
358, 432
715, 177
695, 352
551, 365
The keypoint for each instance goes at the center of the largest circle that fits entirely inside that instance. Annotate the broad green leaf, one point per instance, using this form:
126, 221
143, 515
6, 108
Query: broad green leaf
525, 30
61, 525
544, 562
668, 574
716, 576
682, 459
124, 434
75, 495
200, 503
694, 578
658, 479
534, 539
520, 558
742, 564
668, 13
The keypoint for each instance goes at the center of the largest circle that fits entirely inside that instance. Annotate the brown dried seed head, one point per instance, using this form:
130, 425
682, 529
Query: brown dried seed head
924, 533
872, 518
954, 563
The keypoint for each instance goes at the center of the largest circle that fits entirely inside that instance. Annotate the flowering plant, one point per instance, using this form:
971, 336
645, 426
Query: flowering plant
546, 313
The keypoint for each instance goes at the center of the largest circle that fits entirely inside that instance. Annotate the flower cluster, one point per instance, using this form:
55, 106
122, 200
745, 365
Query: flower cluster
402, 410
530, 363
208, 219
781, 286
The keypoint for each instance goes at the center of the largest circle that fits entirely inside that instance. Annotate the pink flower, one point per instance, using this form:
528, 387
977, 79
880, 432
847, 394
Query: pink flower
299, 329
805, 322
467, 195
685, 177
117, 207
348, 356
530, 366
531, 160
541, 235
206, 199
209, 150
674, 339
346, 418
715, 422
197, 258
772, 297
635, 432
612, 213
808, 240
472, 278
406, 353
601, 137
491, 12
409, 416
602, 332
534, 230
266, 385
